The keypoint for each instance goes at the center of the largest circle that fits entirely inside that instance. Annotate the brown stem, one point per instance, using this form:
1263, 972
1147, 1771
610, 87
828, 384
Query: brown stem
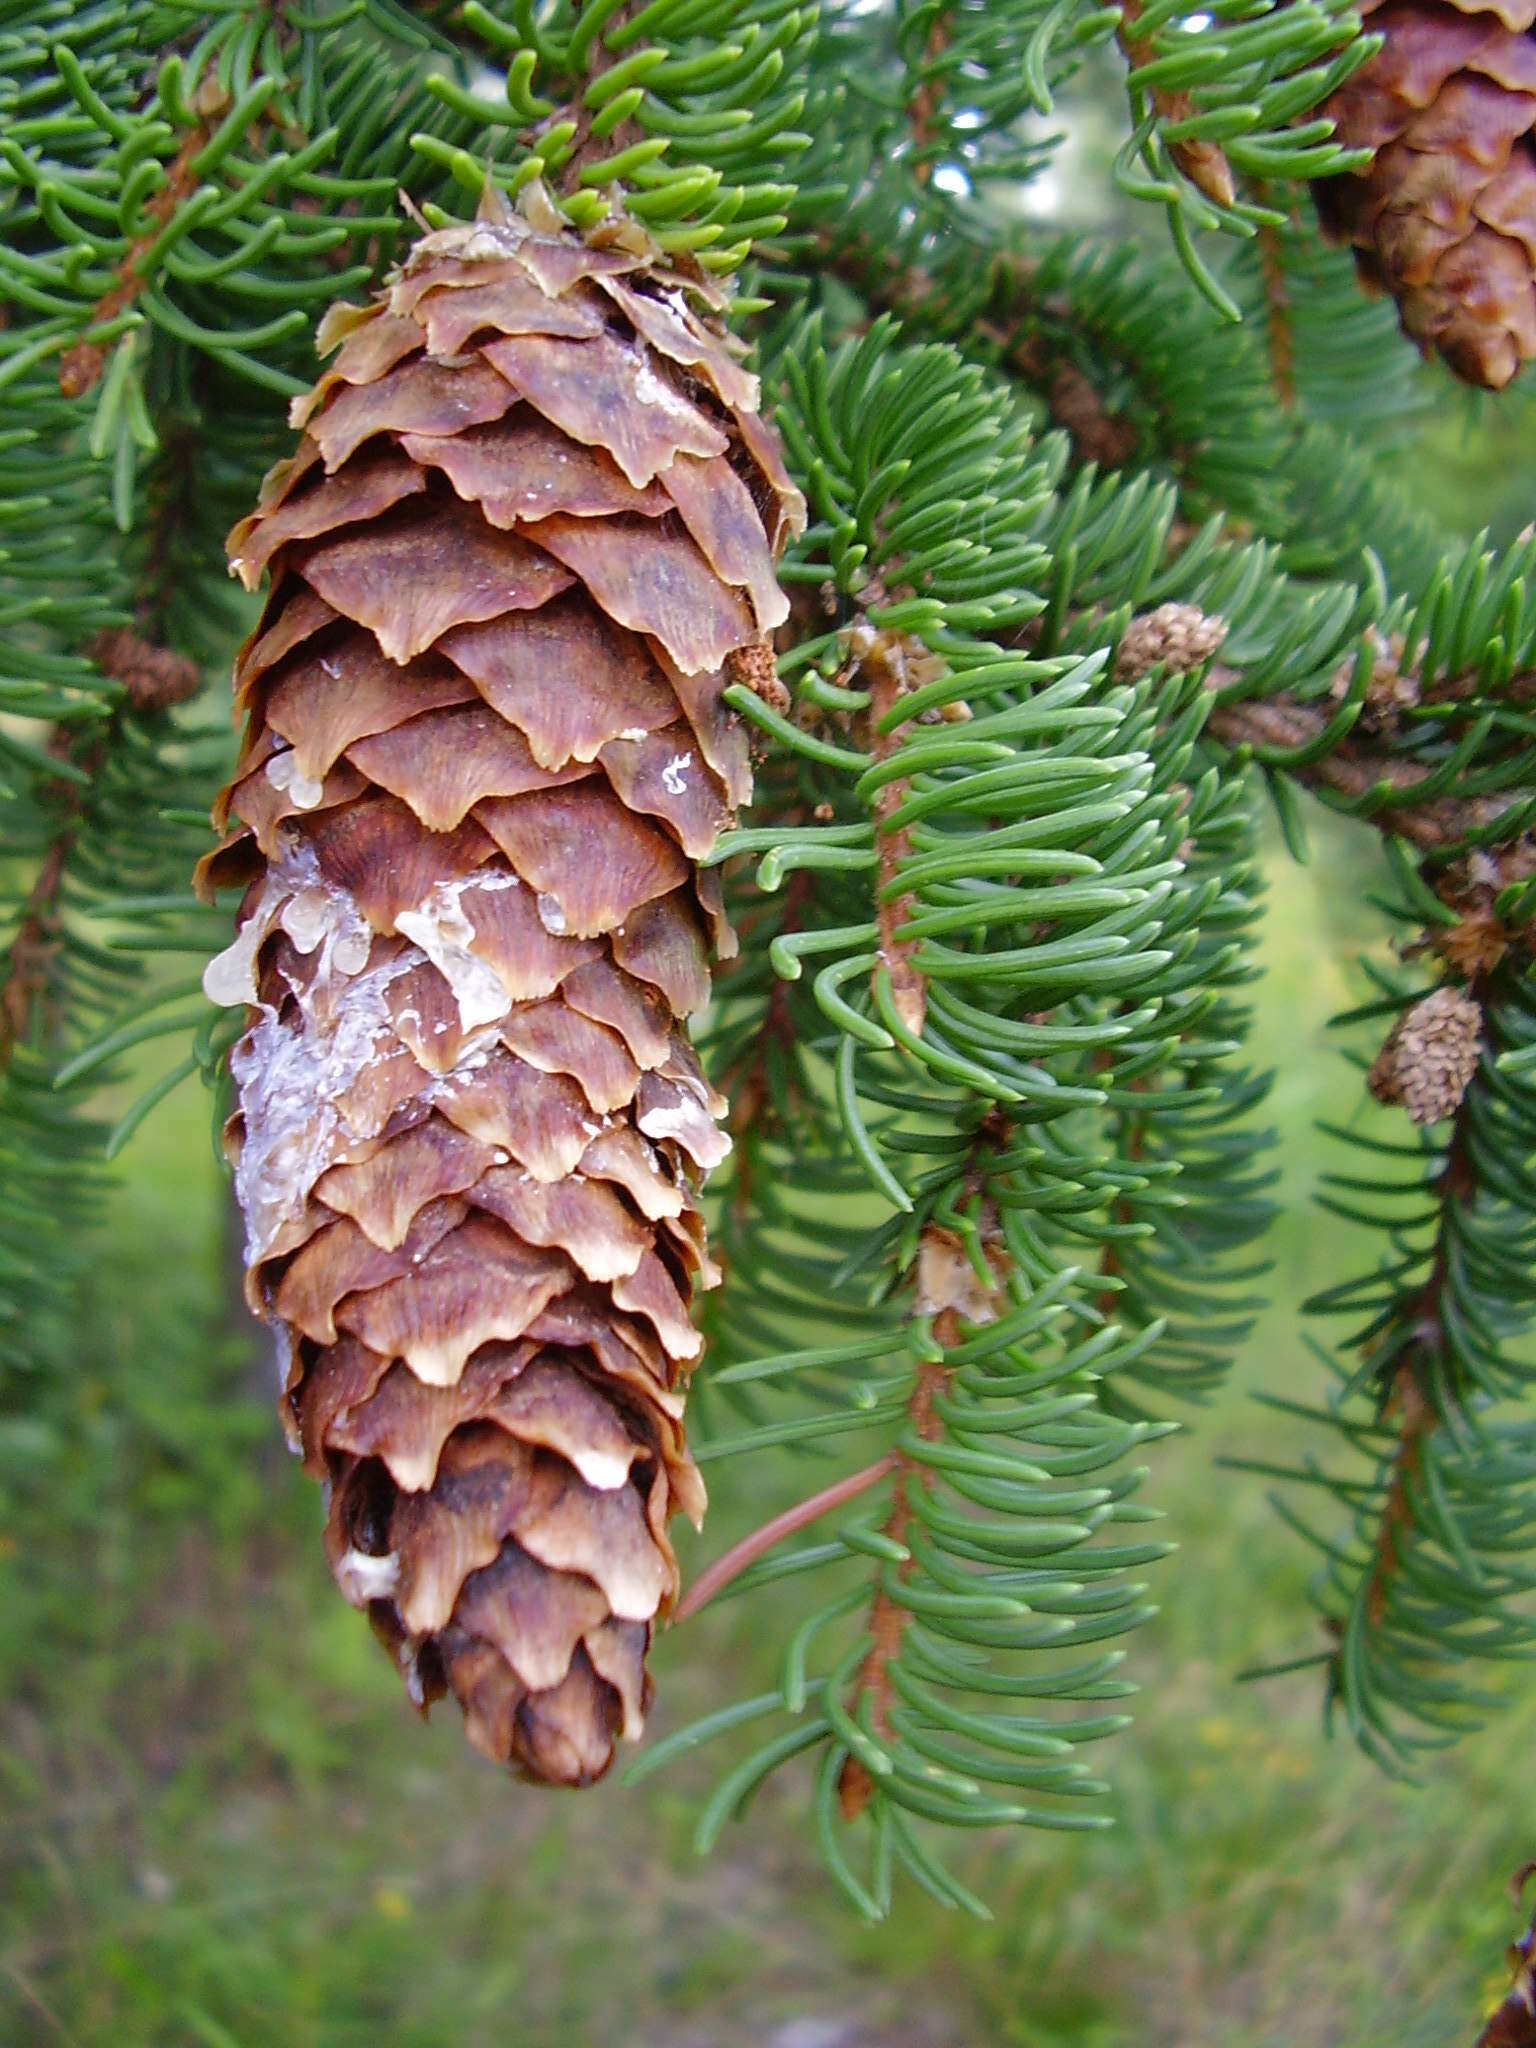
733, 1562
883, 662
1354, 768
38, 2003
1203, 163
25, 974
1097, 434
1277, 316
1406, 1399
926, 98
887, 1617
586, 148
1121, 1211
153, 678
1416, 1420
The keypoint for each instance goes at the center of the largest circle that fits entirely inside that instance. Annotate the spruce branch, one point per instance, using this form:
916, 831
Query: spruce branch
1429, 1573
153, 679
678, 117
996, 1413
1372, 780
1123, 355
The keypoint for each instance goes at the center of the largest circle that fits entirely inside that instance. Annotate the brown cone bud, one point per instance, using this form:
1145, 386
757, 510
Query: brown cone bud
1444, 215
533, 513
1179, 637
1430, 1056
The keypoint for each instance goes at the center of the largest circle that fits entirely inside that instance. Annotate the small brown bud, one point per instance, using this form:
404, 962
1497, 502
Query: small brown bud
1475, 944
1430, 1056
947, 1278
1390, 689
1098, 435
754, 666
855, 1788
80, 369
154, 677
1178, 637
1206, 167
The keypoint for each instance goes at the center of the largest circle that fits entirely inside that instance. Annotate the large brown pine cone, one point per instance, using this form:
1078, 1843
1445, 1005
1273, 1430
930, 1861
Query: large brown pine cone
530, 525
1444, 215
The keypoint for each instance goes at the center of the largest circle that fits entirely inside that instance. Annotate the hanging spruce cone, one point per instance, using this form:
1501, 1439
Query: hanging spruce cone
1444, 215
532, 519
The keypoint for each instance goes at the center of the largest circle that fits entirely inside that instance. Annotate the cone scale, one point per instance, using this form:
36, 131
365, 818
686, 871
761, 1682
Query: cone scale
533, 515
1443, 217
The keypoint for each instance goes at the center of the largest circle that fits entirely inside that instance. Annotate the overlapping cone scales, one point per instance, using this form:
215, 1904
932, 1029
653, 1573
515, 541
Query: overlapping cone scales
531, 515
1444, 215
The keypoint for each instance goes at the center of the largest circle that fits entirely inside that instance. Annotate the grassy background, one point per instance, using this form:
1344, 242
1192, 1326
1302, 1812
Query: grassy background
221, 1824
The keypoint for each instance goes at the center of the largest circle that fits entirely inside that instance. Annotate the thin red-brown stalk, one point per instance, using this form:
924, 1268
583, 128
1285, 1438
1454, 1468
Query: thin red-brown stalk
1406, 1401
26, 968
1277, 316
1416, 1422
733, 1562
883, 663
153, 678
887, 1617
1354, 768
926, 97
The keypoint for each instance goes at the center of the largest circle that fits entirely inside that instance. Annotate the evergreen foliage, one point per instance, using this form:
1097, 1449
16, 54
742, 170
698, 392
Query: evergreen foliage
997, 1202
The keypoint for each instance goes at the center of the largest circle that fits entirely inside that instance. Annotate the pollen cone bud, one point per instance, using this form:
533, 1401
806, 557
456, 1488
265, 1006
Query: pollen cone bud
1178, 637
533, 512
1430, 1056
1444, 215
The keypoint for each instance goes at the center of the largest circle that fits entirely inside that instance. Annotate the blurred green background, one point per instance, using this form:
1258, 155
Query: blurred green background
220, 1824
